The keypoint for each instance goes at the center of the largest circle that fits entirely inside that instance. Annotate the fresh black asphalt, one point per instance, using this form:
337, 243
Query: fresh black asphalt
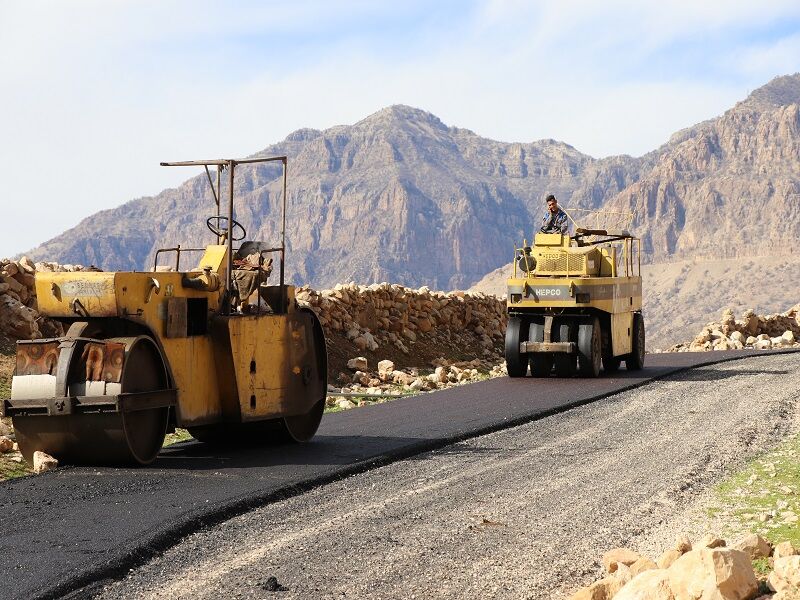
65, 530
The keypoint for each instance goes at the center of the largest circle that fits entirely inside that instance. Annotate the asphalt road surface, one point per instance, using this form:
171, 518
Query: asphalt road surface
69, 529
521, 513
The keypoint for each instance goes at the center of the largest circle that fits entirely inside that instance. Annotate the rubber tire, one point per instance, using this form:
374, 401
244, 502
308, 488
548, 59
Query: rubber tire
565, 363
516, 333
541, 364
635, 360
611, 363
590, 347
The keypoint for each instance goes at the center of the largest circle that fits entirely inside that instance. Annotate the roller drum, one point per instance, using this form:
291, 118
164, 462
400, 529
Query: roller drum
99, 436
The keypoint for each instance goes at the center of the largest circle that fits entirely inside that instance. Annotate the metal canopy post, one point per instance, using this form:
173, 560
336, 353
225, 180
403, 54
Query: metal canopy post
283, 239
219, 191
229, 275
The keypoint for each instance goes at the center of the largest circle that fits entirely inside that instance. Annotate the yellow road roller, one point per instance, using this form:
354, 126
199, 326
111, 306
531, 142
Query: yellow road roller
215, 348
575, 301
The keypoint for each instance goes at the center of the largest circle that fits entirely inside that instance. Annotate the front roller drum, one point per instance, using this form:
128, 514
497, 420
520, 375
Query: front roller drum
101, 436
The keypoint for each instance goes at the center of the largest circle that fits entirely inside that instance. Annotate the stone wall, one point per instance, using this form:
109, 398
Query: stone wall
19, 318
760, 332
373, 318
391, 314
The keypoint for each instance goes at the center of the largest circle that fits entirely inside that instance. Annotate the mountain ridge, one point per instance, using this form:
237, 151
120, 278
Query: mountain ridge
401, 196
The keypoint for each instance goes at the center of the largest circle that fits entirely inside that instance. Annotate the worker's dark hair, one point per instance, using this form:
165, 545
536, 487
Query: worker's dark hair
549, 197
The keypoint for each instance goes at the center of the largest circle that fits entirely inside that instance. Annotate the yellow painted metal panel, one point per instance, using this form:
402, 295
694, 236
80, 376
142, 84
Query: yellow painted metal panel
621, 331
76, 294
214, 257
609, 294
548, 239
191, 359
260, 346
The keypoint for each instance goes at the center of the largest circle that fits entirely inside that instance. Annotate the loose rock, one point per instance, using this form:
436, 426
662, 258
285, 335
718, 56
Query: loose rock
648, 585
624, 556
785, 576
43, 462
359, 363
754, 546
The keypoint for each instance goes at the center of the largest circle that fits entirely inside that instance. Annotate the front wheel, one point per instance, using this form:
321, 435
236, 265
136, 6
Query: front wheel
516, 361
635, 360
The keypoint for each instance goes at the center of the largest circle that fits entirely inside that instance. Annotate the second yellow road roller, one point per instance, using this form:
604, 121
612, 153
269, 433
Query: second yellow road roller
575, 300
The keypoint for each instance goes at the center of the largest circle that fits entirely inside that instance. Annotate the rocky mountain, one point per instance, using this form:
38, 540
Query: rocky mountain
398, 196
402, 197
726, 187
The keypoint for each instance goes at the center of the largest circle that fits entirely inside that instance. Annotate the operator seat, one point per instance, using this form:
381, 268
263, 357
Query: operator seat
250, 272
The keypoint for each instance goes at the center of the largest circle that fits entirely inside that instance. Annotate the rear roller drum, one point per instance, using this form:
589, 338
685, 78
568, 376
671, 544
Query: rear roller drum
295, 428
103, 437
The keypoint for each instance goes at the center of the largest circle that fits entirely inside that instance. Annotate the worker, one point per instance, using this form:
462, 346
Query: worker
555, 220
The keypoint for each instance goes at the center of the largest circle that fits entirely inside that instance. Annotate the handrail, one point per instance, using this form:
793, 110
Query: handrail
178, 250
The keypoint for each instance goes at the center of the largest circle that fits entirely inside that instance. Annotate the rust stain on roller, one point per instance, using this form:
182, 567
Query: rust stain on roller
37, 359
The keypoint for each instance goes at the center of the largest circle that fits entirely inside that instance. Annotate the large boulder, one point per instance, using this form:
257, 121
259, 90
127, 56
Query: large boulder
605, 589
666, 560
713, 574
642, 565
784, 549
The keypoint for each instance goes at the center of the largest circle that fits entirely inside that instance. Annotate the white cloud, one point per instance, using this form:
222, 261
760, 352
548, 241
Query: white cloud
94, 94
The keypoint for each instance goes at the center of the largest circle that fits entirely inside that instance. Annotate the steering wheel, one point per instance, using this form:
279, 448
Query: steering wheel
213, 223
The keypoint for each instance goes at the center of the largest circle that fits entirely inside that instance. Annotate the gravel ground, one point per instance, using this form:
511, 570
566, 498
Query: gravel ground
522, 513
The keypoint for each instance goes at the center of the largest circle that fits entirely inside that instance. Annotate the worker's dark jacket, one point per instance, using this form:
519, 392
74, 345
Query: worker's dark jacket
555, 223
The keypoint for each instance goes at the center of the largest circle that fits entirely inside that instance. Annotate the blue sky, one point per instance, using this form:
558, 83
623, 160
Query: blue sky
94, 93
